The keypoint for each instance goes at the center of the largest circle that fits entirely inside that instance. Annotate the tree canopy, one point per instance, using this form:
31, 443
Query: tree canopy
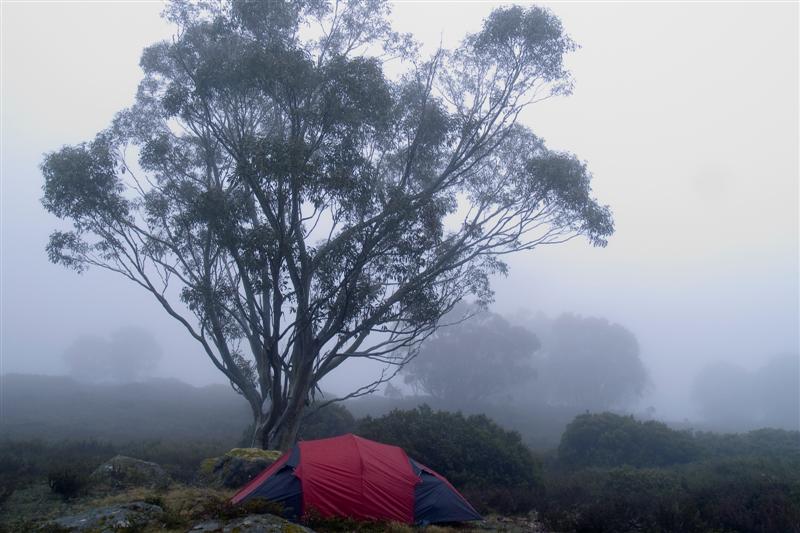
733, 398
293, 206
584, 363
475, 359
591, 363
130, 355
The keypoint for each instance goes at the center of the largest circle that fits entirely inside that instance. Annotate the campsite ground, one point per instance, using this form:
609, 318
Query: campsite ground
186, 508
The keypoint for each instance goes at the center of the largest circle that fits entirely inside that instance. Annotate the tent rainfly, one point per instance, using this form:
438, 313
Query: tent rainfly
349, 476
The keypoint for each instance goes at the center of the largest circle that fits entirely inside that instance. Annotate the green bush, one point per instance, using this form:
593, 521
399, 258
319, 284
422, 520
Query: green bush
607, 439
328, 421
67, 482
718, 495
26, 462
180, 459
492, 465
765, 442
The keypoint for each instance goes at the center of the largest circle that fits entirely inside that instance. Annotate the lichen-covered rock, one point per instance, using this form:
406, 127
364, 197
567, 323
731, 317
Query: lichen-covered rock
123, 517
258, 523
236, 467
255, 454
124, 472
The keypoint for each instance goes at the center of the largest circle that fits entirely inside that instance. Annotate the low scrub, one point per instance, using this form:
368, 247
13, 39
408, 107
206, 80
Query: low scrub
67, 482
25, 462
715, 495
488, 463
607, 440
328, 421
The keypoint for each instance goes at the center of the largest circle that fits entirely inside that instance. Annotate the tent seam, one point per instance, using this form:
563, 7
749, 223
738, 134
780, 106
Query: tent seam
361, 465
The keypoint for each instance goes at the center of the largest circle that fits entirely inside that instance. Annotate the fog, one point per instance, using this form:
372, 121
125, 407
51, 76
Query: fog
687, 116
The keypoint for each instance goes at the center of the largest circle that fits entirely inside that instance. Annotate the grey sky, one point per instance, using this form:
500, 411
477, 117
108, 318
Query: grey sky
687, 115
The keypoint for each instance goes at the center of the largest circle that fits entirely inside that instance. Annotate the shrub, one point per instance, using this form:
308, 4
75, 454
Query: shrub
180, 459
25, 462
66, 481
608, 440
490, 463
315, 521
720, 495
214, 507
155, 499
328, 421
767, 442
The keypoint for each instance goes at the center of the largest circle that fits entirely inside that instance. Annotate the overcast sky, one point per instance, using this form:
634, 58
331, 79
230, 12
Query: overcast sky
687, 115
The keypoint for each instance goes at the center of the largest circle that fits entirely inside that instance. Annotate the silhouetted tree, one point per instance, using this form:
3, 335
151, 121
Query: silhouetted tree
589, 363
479, 356
292, 207
131, 354
778, 392
734, 398
724, 394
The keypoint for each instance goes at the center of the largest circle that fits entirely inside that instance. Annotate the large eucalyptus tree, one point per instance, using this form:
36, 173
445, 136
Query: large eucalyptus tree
294, 206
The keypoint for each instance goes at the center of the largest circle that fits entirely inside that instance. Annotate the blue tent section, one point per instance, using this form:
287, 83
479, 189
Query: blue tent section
284, 487
435, 500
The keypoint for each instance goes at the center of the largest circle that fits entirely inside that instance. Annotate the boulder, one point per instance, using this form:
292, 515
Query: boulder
257, 523
124, 472
236, 467
122, 517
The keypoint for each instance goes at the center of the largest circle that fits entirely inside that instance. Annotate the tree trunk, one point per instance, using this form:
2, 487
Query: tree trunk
269, 437
278, 429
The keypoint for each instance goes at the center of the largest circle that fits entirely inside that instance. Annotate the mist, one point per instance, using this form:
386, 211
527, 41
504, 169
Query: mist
363, 265
691, 134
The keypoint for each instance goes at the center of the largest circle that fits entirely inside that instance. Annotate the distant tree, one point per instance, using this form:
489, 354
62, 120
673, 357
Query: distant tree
292, 207
88, 358
130, 355
724, 395
777, 392
589, 363
735, 398
478, 357
134, 354
391, 391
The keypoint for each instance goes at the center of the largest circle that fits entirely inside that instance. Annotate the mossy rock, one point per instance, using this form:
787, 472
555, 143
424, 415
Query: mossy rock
255, 454
125, 472
236, 467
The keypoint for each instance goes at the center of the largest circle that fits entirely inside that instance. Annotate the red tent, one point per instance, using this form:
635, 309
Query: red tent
358, 478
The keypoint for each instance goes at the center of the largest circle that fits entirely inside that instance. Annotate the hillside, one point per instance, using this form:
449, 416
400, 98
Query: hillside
56, 407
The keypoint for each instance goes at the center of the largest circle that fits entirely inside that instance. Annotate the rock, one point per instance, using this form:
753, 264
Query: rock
257, 523
509, 524
237, 467
123, 517
124, 472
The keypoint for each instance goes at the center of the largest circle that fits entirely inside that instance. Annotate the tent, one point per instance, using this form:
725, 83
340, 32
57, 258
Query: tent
354, 477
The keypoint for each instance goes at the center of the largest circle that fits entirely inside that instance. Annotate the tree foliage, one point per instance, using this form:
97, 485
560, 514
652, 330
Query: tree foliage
586, 363
130, 355
731, 397
478, 357
292, 206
